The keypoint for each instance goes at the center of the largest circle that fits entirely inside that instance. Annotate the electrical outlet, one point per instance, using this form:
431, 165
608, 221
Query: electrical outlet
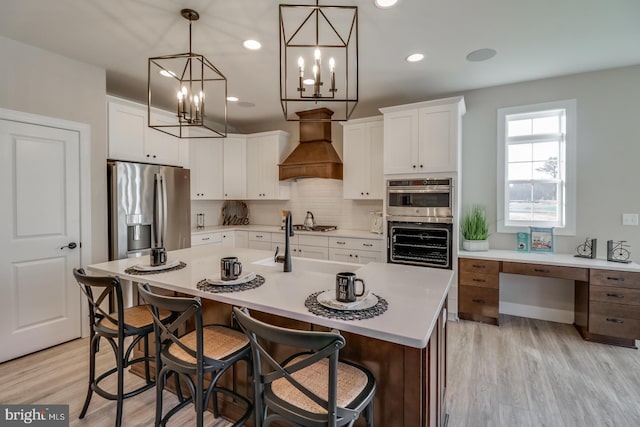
629, 219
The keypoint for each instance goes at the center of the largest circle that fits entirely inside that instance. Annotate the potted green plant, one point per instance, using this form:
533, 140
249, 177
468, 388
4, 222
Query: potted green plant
475, 229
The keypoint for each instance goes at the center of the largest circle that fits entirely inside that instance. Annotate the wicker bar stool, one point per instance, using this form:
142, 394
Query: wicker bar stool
310, 388
138, 324
208, 349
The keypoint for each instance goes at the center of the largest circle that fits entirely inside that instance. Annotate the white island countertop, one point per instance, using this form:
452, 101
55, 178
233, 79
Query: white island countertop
415, 294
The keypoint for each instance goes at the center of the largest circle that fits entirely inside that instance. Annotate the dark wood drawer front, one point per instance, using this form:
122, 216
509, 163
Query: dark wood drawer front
479, 266
622, 279
477, 279
615, 295
570, 273
615, 320
480, 301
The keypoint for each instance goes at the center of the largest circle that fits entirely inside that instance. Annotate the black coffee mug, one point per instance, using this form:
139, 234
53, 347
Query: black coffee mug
158, 257
346, 287
230, 268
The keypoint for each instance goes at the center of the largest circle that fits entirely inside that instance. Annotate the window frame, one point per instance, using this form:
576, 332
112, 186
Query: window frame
568, 191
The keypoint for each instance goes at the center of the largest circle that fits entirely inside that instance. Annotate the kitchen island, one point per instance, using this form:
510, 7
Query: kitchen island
405, 347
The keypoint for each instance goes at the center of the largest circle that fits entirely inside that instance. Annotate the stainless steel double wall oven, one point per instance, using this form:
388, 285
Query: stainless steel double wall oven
420, 222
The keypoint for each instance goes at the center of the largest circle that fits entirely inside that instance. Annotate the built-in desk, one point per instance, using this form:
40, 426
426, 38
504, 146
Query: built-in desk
607, 294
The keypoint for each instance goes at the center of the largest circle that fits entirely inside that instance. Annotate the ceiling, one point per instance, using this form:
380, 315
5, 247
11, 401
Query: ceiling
533, 40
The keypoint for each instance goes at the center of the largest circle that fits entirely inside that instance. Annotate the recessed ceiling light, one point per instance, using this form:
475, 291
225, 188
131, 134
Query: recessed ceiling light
252, 44
415, 57
384, 4
167, 73
481, 55
232, 99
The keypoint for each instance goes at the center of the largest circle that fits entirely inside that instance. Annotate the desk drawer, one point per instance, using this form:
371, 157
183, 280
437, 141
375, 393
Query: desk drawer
479, 301
570, 273
616, 320
622, 279
615, 295
477, 279
479, 266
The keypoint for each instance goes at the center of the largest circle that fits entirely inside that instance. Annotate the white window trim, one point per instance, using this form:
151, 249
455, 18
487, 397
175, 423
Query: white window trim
570, 107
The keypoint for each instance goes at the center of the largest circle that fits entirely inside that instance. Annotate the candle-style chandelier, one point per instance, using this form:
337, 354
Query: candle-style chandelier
189, 81
318, 60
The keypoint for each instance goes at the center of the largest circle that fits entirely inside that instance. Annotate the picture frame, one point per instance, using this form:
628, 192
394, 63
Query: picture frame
541, 239
522, 242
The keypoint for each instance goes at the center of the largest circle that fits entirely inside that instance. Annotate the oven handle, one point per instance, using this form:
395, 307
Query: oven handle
423, 219
409, 190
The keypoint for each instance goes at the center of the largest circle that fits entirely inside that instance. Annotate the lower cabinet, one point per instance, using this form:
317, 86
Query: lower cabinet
478, 290
614, 306
302, 245
206, 239
241, 239
360, 251
259, 240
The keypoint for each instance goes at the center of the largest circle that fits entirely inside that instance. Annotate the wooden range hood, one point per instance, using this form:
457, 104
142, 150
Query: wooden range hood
315, 156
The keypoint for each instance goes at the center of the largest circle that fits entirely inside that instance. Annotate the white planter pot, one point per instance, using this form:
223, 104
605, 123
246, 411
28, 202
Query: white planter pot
475, 245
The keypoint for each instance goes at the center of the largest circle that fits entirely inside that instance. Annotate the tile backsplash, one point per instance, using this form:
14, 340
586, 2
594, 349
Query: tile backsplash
323, 197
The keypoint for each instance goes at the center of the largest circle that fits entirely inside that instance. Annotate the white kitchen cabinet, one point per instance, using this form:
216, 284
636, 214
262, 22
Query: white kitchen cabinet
303, 245
259, 240
361, 251
206, 239
131, 139
205, 162
235, 167
229, 239
265, 151
241, 239
423, 137
362, 159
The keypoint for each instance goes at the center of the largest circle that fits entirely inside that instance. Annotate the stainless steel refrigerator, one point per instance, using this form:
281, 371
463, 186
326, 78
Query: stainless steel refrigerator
149, 206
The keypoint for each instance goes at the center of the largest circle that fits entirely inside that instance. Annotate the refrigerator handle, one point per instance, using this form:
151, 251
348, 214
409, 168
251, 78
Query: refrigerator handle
163, 224
158, 211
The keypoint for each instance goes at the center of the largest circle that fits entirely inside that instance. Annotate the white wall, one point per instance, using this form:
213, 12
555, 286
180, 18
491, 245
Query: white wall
39, 82
608, 173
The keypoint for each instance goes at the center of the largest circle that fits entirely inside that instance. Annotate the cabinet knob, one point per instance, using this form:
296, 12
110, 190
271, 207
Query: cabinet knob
361, 193
367, 193
420, 165
225, 194
414, 166
154, 156
148, 155
351, 255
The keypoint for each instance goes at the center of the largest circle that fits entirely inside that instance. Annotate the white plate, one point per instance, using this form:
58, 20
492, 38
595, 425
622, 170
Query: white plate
145, 267
242, 279
328, 299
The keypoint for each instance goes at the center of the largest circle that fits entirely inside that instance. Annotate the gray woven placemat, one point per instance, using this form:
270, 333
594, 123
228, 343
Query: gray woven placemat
135, 272
315, 307
203, 285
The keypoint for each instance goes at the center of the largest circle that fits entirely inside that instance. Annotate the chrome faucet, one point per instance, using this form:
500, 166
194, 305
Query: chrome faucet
288, 232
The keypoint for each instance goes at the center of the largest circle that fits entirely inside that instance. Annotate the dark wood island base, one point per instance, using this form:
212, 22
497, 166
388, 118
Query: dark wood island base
411, 382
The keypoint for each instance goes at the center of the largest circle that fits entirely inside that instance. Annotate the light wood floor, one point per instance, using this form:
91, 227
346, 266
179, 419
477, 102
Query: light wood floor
533, 373
524, 373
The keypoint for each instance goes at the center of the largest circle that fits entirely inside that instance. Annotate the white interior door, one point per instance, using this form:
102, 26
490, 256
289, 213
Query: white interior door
40, 302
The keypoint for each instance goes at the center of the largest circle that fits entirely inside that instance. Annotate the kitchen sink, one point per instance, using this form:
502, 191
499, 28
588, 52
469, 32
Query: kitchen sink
317, 266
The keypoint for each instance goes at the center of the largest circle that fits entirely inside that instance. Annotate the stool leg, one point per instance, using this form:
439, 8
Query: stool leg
160, 382
147, 373
93, 344
199, 400
120, 365
369, 414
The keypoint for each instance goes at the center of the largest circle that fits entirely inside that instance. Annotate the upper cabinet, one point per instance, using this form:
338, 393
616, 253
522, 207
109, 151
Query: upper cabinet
205, 162
264, 152
131, 139
362, 158
235, 167
423, 137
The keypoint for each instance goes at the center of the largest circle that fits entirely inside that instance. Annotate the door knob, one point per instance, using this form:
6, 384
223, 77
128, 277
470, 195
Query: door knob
71, 245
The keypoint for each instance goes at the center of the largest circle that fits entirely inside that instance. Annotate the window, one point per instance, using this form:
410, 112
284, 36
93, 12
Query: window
537, 167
